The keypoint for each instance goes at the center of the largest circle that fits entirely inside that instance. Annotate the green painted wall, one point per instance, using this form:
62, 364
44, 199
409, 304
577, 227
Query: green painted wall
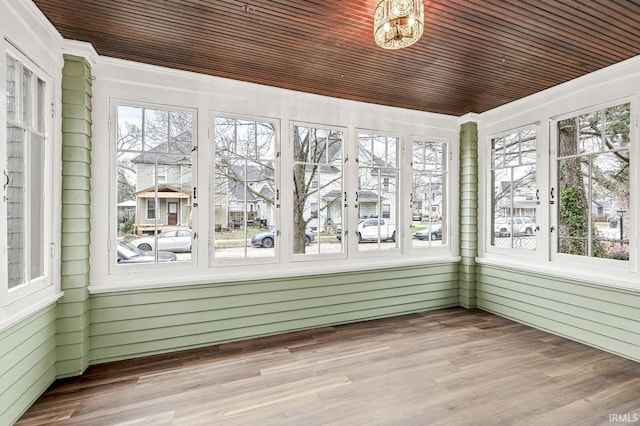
73, 308
468, 213
137, 323
27, 363
599, 316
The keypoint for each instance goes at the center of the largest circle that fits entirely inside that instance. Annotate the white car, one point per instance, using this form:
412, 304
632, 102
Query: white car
175, 240
504, 226
372, 229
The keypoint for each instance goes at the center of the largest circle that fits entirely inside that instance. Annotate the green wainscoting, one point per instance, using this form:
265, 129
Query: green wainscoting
27, 362
137, 323
599, 316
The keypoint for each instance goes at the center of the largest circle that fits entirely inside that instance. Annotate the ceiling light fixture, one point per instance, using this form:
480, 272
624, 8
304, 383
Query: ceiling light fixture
398, 23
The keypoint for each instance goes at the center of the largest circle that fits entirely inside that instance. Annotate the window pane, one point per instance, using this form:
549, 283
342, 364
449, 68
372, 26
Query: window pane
181, 129
377, 192
154, 183
16, 206
11, 82
617, 126
595, 185
36, 224
244, 189
512, 150
151, 208
611, 187
156, 131
497, 153
590, 133
318, 191
27, 97
428, 194
567, 137
129, 128
41, 106
514, 201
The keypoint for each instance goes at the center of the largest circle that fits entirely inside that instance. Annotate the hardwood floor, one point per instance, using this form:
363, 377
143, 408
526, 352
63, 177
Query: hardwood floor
447, 367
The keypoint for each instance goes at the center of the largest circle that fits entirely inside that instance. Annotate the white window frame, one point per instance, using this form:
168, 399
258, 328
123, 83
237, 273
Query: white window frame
147, 209
161, 174
488, 222
38, 292
288, 186
238, 261
446, 209
594, 263
145, 86
400, 243
596, 271
158, 270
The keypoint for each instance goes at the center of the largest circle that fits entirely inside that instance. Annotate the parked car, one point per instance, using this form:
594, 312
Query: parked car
504, 226
128, 253
267, 239
416, 216
372, 229
176, 240
432, 232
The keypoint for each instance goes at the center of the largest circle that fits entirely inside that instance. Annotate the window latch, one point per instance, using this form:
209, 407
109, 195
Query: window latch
6, 183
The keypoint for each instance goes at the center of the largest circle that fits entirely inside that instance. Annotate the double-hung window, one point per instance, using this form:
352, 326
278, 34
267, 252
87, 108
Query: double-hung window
26, 197
155, 191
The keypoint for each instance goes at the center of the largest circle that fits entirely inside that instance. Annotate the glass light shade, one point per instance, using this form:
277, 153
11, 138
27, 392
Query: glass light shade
398, 23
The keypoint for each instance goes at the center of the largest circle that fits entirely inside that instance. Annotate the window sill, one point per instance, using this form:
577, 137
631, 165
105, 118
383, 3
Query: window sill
19, 310
230, 274
624, 280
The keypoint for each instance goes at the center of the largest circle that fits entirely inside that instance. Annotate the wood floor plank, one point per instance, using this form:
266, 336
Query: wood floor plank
453, 366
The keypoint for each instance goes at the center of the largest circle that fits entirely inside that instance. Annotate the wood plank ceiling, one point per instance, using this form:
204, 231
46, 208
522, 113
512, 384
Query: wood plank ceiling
474, 55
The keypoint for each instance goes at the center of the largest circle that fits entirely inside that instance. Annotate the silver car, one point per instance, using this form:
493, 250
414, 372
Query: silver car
176, 240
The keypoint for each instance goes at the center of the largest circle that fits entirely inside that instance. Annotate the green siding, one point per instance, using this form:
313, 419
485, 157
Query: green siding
606, 318
137, 323
468, 214
72, 351
27, 363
